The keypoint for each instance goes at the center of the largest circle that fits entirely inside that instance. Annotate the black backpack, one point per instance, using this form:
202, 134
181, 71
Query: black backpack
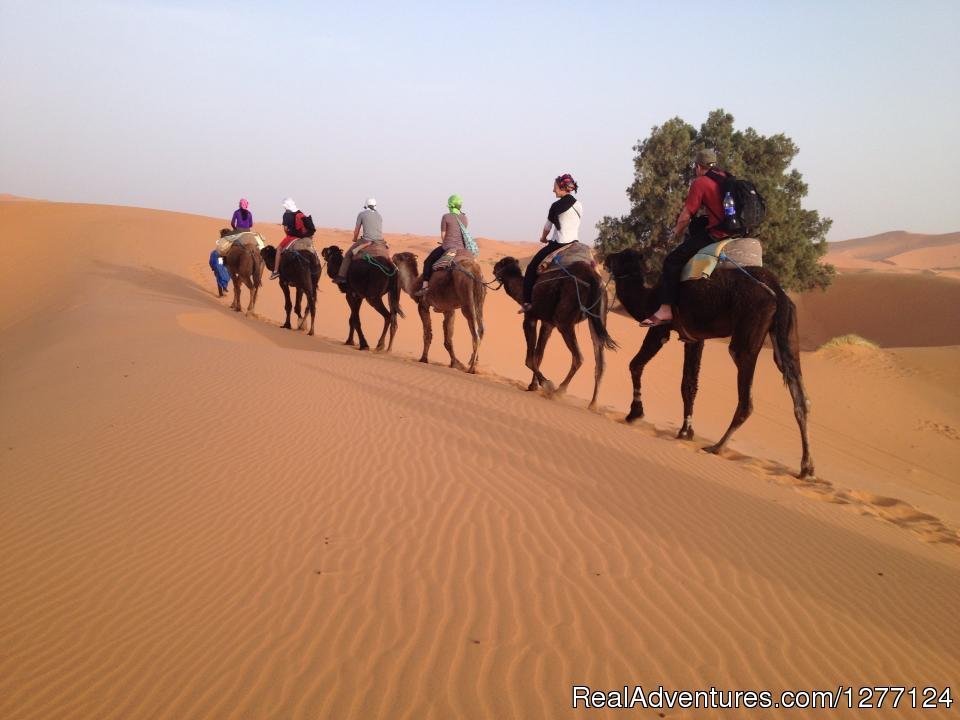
304, 226
749, 204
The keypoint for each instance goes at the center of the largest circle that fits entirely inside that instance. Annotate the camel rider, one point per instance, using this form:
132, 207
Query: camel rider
369, 228
242, 217
451, 238
563, 219
704, 194
293, 226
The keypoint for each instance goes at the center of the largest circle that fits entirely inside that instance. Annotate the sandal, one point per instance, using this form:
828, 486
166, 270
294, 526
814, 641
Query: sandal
654, 321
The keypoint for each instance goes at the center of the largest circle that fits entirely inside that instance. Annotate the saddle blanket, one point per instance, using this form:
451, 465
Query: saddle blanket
373, 249
567, 255
249, 239
745, 252
302, 244
451, 258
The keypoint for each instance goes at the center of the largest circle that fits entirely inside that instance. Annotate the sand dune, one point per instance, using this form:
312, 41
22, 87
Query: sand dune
898, 250
205, 515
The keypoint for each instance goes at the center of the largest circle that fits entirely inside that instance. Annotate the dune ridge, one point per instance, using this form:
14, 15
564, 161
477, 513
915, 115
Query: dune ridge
207, 516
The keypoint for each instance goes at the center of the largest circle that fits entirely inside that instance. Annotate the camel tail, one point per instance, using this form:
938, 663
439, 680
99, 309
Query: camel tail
478, 294
393, 298
598, 313
786, 338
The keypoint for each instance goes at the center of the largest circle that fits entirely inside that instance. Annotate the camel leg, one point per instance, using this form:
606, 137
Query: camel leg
312, 308
787, 358
355, 301
424, 311
287, 305
598, 362
569, 336
546, 330
468, 313
377, 304
530, 335
744, 351
236, 294
253, 296
297, 308
692, 352
655, 339
448, 321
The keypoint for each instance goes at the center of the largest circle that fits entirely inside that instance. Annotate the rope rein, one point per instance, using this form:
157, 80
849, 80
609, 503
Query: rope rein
724, 256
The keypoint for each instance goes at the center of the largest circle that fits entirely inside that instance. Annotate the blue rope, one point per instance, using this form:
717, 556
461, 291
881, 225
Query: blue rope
576, 286
382, 268
724, 257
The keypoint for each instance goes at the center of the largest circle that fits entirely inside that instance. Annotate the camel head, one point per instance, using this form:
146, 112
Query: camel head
334, 257
227, 231
626, 263
269, 254
406, 263
506, 268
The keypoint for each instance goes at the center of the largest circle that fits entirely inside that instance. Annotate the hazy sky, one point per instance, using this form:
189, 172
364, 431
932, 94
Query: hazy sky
190, 105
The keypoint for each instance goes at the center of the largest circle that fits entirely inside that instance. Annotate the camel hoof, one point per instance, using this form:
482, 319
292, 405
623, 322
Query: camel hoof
592, 406
364, 348
423, 359
549, 388
286, 326
310, 333
685, 434
806, 472
349, 342
532, 386
471, 371
713, 449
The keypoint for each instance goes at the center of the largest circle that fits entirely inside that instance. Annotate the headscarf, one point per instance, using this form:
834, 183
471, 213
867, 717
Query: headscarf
566, 182
290, 205
454, 203
244, 205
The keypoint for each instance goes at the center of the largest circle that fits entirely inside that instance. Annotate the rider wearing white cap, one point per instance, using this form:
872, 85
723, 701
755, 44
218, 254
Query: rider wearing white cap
369, 228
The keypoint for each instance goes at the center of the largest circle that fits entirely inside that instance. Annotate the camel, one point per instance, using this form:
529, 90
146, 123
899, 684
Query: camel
365, 281
245, 265
561, 299
459, 287
745, 306
299, 269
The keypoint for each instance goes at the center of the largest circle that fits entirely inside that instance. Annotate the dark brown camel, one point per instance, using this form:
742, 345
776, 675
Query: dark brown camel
367, 282
729, 304
245, 265
460, 287
299, 269
561, 299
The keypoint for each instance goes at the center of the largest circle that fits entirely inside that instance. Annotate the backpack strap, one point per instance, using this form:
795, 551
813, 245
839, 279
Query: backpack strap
717, 177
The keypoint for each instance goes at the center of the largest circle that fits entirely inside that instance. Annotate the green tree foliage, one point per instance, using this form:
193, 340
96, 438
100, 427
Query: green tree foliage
794, 239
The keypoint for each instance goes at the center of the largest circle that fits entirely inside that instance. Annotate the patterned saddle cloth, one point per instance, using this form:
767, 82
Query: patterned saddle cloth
246, 238
451, 258
567, 255
723, 255
302, 244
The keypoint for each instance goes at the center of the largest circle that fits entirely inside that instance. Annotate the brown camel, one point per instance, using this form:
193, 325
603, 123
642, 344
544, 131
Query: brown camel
366, 281
299, 269
245, 265
744, 306
561, 299
459, 287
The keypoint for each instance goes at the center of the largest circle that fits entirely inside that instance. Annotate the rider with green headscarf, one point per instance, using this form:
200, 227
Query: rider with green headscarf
451, 237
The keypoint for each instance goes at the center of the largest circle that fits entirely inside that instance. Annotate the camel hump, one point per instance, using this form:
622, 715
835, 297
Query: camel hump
723, 255
567, 255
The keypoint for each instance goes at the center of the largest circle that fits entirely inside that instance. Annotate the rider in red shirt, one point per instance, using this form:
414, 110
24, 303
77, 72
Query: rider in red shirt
704, 230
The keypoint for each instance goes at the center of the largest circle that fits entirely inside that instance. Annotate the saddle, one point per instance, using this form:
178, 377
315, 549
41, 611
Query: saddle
452, 257
304, 244
723, 255
245, 238
566, 256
